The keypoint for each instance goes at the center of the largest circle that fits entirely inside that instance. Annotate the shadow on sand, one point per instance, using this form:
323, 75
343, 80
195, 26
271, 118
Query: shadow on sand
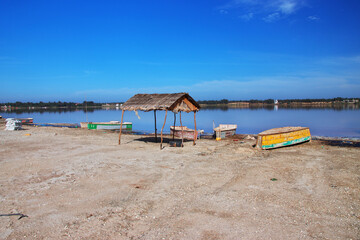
152, 139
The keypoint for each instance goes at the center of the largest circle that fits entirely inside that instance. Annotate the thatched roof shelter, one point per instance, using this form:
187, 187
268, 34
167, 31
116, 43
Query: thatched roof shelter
175, 102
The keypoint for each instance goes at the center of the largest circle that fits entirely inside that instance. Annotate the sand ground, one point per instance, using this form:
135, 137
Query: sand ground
79, 184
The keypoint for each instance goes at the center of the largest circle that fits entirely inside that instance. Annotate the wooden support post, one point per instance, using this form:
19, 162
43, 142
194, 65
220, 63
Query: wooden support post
162, 130
195, 132
155, 126
174, 126
182, 132
122, 117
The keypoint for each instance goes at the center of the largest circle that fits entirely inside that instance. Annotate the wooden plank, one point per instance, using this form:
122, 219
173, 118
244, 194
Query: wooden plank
174, 126
286, 143
190, 105
122, 118
182, 132
155, 126
162, 130
195, 132
267, 134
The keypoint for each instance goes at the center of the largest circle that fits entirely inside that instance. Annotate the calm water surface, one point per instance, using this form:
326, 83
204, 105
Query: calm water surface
321, 121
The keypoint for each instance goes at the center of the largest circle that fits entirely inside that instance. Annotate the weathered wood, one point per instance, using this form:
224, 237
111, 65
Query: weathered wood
195, 132
176, 102
150, 102
155, 126
162, 130
280, 137
190, 105
182, 132
174, 126
122, 118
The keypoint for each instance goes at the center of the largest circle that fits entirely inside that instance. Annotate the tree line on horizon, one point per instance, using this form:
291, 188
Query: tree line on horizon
60, 104
271, 101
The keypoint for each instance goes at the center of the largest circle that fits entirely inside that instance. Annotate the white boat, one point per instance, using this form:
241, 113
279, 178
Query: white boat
225, 130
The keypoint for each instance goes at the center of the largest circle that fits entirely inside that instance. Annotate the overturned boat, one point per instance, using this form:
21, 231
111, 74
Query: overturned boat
281, 137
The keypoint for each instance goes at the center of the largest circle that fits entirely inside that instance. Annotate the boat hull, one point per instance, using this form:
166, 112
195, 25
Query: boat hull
109, 126
25, 120
224, 133
225, 130
188, 134
283, 138
62, 125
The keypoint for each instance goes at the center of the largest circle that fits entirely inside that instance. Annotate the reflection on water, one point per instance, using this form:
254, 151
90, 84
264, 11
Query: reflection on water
338, 107
337, 121
48, 110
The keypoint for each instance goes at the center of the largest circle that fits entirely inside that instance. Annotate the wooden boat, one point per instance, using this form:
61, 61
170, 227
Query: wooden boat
84, 124
25, 120
62, 125
112, 125
280, 137
225, 130
188, 133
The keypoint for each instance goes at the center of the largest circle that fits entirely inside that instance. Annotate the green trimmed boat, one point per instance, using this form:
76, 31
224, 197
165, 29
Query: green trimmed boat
112, 125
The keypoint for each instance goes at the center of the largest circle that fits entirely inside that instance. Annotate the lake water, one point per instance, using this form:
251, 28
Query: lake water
339, 122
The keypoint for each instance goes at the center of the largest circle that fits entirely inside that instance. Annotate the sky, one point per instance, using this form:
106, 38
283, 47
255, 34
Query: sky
107, 51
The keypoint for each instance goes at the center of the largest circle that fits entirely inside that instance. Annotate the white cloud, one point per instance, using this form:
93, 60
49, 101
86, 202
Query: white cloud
90, 72
223, 11
5, 61
288, 6
341, 61
268, 10
247, 17
238, 3
312, 85
313, 18
272, 17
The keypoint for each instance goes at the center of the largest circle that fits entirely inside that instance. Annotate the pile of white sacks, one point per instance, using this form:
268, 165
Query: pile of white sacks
12, 124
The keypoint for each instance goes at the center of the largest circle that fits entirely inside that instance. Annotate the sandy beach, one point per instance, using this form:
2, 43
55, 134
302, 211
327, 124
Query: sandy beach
80, 184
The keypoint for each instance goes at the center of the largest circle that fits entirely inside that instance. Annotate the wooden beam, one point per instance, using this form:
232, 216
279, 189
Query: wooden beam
174, 126
155, 126
122, 117
162, 130
195, 132
190, 105
182, 132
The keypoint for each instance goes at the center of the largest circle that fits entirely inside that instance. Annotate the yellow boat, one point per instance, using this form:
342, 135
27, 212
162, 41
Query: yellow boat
281, 137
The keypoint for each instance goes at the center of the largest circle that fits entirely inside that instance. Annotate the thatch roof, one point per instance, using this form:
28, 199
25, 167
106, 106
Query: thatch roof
173, 102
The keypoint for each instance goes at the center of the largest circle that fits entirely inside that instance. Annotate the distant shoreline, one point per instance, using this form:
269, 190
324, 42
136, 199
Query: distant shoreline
224, 103
292, 104
231, 105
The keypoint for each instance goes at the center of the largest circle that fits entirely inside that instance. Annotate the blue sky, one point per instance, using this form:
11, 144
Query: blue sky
107, 51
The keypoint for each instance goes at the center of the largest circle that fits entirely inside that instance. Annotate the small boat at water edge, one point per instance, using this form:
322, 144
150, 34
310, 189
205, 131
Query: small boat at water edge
189, 134
25, 120
281, 137
225, 130
112, 125
62, 125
